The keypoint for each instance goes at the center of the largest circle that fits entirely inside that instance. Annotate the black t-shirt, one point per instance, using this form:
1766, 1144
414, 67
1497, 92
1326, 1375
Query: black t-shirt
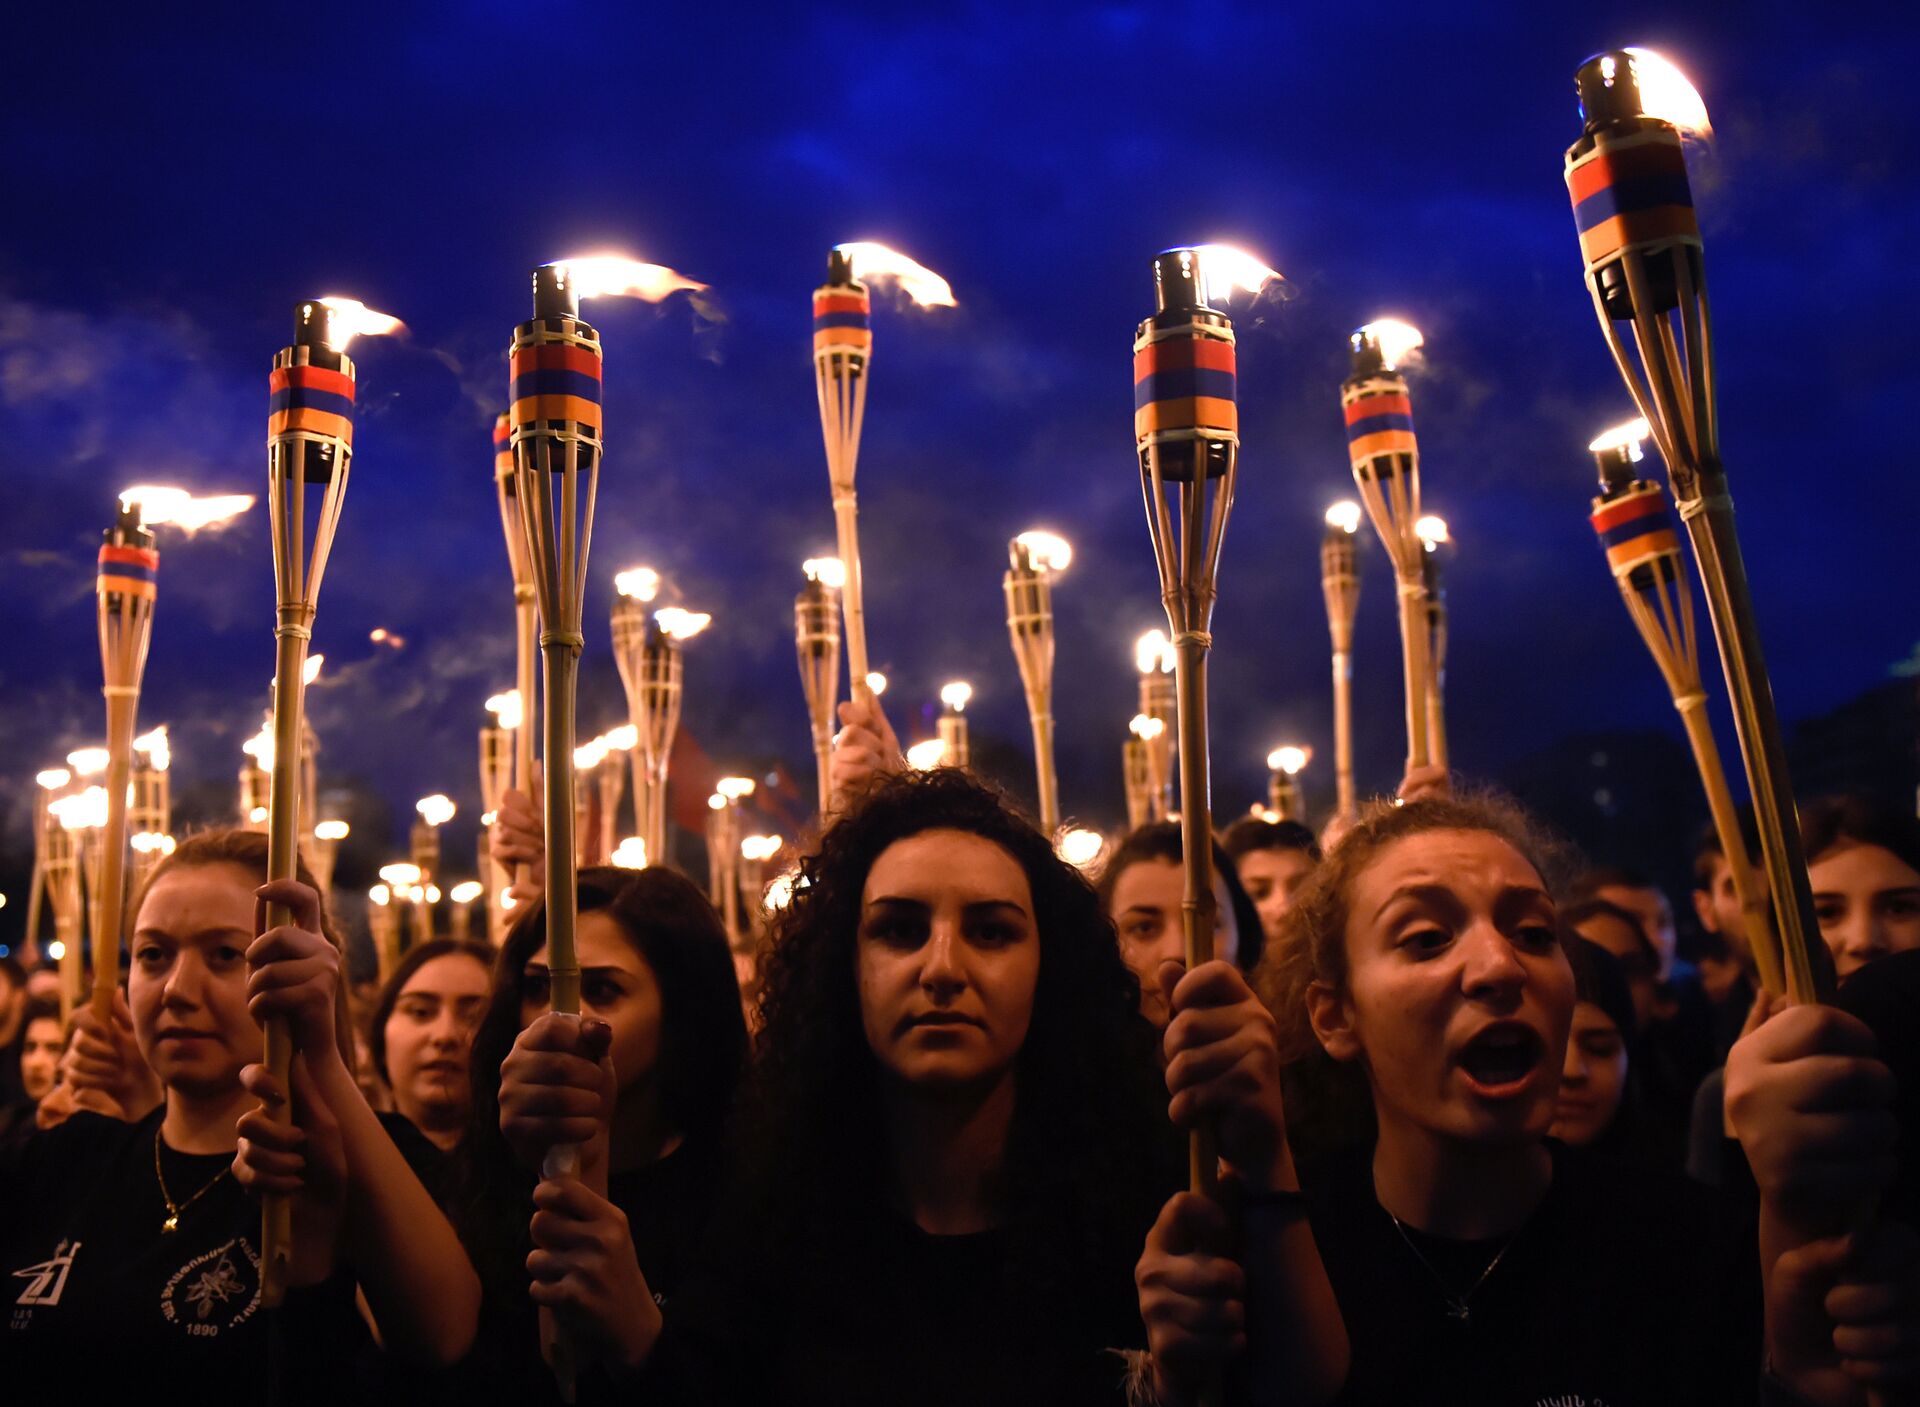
891, 1314
1622, 1288
96, 1289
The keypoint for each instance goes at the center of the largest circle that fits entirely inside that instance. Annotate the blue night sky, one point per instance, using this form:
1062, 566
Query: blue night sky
175, 184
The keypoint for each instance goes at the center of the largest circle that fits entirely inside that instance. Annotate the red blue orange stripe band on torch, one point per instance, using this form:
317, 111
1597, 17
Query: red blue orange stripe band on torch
130, 571
1184, 381
555, 381
1379, 416
842, 319
315, 400
1635, 527
1632, 192
503, 446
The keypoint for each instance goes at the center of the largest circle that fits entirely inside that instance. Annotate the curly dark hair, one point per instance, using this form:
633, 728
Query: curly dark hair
1083, 1169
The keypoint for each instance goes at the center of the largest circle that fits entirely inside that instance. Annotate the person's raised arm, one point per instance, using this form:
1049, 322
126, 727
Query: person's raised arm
865, 748
418, 1281
1223, 1070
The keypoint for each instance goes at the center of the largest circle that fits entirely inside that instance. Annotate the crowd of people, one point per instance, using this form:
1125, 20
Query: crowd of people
1480, 1127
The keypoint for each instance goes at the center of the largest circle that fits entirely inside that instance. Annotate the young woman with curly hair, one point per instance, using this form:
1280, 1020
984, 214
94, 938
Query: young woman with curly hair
948, 1155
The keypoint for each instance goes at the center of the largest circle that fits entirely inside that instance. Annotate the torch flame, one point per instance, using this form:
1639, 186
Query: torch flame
1080, 847
435, 810
466, 891
154, 745
629, 854
402, 875
312, 670
641, 583
53, 778
625, 738
506, 709
924, 757
152, 842
590, 755
956, 694
1629, 437
873, 262
876, 683
1048, 552
828, 571
1397, 340
380, 895
780, 891
1432, 532
166, 503
677, 624
1146, 728
352, 318
1344, 515
86, 810
1666, 92
1153, 652
88, 761
260, 747
760, 847
332, 830
1223, 268
1289, 759
733, 788
616, 276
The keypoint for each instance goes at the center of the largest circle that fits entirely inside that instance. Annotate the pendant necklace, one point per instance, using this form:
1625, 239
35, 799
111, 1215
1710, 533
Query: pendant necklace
1458, 1308
172, 1223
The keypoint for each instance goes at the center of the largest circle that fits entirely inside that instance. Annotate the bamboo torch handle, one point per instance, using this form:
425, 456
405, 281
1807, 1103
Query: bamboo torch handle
1198, 907
122, 703
846, 522
1413, 653
1755, 910
283, 831
1343, 729
1047, 780
526, 651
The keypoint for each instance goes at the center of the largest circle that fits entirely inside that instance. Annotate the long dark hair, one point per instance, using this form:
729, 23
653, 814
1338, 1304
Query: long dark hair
418, 956
1081, 1168
1161, 840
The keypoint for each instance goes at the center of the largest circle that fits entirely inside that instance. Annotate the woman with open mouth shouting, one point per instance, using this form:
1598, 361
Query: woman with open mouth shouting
1471, 1258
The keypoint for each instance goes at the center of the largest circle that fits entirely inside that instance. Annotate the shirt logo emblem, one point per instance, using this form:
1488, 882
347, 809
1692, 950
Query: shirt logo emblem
47, 1281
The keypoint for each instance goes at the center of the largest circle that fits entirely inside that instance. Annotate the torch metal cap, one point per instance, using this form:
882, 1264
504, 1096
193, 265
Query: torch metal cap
1609, 88
1368, 358
1176, 281
127, 529
313, 324
554, 293
1618, 467
840, 269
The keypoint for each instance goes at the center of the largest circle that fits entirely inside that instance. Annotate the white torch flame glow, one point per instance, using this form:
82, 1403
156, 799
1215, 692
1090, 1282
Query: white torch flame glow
53, 778
85, 810
780, 891
466, 891
641, 583
733, 788
760, 847
956, 694
332, 830
1146, 728
616, 276
260, 747
1667, 93
311, 670
924, 757
176, 507
590, 755
435, 810
258, 815
380, 895
1080, 847
402, 875
630, 854
88, 761
1397, 340
828, 571
625, 738
876, 683
506, 709
1224, 268
152, 843
1431, 531
153, 746
1344, 515
1289, 759
1153, 653
352, 318
1049, 552
1630, 437
873, 263
677, 624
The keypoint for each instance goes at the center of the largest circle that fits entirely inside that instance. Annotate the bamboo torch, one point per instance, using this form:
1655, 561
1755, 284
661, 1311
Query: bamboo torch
654, 670
633, 591
1036, 557
1284, 765
1137, 771
126, 585
309, 445
1187, 432
1646, 270
50, 785
497, 747
1340, 586
1435, 543
383, 921
65, 823
1153, 657
842, 351
816, 641
327, 836
1386, 466
526, 616
956, 746
1643, 552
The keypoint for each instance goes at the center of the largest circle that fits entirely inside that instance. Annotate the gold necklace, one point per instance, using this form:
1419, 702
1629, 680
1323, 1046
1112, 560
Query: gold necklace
172, 1223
